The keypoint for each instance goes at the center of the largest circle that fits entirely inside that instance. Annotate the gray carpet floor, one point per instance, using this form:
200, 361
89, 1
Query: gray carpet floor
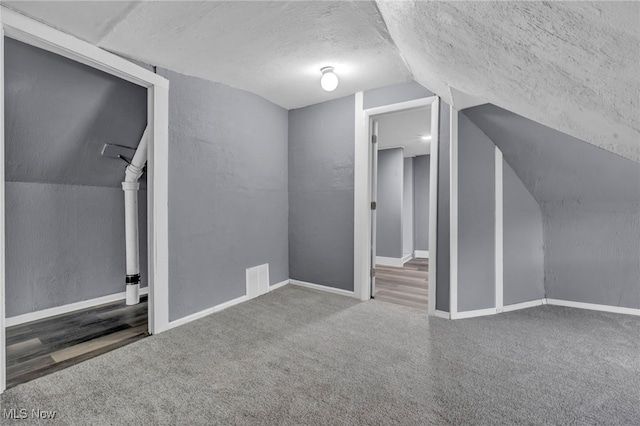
296, 356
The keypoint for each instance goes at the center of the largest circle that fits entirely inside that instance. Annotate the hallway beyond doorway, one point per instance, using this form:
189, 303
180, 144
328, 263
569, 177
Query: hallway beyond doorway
407, 286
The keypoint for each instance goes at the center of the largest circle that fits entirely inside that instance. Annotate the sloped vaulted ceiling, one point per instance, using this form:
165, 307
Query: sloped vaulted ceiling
572, 66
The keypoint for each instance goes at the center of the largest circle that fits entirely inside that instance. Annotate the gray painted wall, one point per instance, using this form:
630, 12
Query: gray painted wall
394, 93
389, 198
64, 205
65, 244
407, 207
443, 242
592, 253
476, 218
321, 193
321, 185
523, 259
590, 202
60, 113
422, 178
228, 204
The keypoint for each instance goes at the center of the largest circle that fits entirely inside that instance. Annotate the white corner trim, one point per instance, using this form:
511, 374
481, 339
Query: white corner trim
398, 262
594, 307
524, 305
442, 314
453, 213
433, 203
206, 312
473, 314
65, 309
157, 200
421, 253
278, 285
324, 288
499, 231
3, 303
361, 203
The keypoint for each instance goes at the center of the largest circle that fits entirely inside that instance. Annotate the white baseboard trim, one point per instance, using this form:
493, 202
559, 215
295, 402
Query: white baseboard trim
65, 309
594, 307
218, 308
442, 314
390, 261
421, 253
323, 288
206, 312
524, 305
278, 285
546, 301
406, 258
473, 314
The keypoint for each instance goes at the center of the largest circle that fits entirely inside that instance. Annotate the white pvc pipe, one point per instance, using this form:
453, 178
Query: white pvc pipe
130, 186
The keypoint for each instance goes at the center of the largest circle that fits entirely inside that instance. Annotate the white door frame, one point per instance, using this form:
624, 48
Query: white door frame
362, 193
28, 31
373, 131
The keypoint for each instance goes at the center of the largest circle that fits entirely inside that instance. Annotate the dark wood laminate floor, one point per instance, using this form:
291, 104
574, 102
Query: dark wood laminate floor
41, 347
406, 286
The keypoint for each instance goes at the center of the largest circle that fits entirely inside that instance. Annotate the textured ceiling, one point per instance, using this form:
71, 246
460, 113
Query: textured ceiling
273, 49
90, 21
572, 66
405, 129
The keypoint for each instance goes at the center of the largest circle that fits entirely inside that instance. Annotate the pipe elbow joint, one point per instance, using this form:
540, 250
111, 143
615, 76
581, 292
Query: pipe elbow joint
133, 173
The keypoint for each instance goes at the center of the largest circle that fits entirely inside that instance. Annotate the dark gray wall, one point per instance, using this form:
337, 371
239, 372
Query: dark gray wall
421, 171
476, 218
394, 93
443, 240
407, 208
64, 205
590, 202
228, 204
389, 199
523, 259
321, 193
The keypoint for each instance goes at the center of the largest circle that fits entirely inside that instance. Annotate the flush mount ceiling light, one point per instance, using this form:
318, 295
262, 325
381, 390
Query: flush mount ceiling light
328, 81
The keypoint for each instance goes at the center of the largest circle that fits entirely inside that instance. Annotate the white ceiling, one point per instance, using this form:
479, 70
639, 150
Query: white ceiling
572, 66
405, 129
274, 49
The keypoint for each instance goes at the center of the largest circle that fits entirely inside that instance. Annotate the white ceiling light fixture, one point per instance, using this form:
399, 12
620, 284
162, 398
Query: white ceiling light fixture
328, 81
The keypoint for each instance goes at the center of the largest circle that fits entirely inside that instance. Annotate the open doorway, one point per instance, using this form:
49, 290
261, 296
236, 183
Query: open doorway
400, 219
368, 122
21, 28
65, 212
